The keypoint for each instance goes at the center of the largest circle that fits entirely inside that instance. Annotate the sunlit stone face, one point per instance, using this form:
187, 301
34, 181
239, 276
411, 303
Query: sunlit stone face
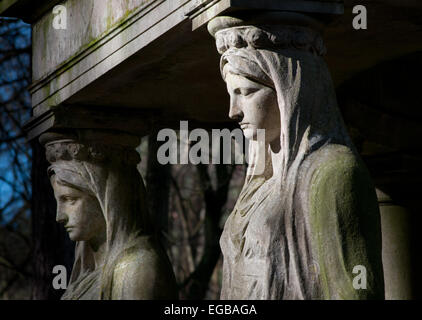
254, 106
78, 211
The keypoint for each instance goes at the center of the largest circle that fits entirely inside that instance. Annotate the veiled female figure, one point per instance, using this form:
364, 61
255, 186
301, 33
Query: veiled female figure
299, 228
99, 195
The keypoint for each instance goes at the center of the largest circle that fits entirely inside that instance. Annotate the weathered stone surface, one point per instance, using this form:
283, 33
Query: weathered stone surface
87, 22
299, 229
66, 61
101, 201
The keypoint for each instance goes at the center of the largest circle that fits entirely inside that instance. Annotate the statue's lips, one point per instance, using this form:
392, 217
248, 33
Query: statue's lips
244, 125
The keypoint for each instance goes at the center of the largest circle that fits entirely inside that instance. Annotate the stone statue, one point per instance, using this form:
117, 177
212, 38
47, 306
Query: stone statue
299, 228
100, 201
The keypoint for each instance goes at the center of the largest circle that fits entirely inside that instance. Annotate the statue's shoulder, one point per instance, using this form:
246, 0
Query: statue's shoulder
334, 165
343, 219
143, 272
144, 251
333, 157
335, 179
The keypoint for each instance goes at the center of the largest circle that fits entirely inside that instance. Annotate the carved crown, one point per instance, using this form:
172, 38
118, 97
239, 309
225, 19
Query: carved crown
274, 37
92, 149
268, 30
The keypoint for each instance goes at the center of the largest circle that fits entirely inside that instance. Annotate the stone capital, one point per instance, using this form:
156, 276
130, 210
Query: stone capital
270, 30
96, 146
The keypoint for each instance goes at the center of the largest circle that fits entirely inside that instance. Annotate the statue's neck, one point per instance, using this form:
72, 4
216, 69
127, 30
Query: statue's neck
98, 246
276, 154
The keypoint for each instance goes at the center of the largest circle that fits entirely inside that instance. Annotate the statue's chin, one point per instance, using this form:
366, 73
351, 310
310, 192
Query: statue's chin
73, 235
249, 133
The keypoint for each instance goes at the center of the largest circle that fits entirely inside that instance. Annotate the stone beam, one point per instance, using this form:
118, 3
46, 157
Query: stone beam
210, 9
100, 36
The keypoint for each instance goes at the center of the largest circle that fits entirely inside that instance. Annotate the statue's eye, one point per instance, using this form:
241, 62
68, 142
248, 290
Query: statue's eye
69, 199
247, 91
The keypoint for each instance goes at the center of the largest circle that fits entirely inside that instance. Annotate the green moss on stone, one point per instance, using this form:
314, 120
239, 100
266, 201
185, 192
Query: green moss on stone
342, 212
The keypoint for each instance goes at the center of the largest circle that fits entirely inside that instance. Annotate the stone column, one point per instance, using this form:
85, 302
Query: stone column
396, 248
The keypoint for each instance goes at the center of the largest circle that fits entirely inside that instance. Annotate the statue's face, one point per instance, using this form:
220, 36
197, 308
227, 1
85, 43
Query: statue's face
79, 212
254, 106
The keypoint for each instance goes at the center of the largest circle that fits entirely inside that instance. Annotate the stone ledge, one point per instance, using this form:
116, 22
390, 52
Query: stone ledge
106, 53
214, 8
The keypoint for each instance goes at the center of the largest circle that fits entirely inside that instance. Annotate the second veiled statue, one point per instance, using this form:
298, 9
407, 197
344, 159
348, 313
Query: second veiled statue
101, 203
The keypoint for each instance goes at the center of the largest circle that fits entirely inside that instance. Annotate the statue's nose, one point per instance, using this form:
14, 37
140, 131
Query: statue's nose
61, 217
235, 111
